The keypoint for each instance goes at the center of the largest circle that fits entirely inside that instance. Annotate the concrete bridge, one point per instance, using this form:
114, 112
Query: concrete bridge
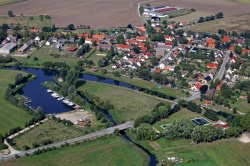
104, 132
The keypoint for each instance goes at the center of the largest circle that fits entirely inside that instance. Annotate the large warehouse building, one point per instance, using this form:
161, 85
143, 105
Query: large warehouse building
7, 48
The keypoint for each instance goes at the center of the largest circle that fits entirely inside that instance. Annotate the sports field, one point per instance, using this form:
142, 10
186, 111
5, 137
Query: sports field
105, 151
10, 115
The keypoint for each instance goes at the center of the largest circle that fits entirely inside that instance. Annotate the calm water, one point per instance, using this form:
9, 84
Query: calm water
40, 97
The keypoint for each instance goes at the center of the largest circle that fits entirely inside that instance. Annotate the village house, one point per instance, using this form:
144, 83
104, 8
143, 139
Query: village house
123, 47
141, 38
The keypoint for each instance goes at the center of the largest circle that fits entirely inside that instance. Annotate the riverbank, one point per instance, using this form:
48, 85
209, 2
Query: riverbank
140, 83
10, 115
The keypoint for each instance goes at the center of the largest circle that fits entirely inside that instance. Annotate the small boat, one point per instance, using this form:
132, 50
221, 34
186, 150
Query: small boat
66, 101
49, 91
60, 98
55, 95
71, 103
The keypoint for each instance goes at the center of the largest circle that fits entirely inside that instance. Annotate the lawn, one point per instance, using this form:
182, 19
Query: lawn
96, 56
182, 114
142, 83
49, 130
43, 55
242, 105
235, 23
26, 21
10, 115
104, 151
6, 2
129, 104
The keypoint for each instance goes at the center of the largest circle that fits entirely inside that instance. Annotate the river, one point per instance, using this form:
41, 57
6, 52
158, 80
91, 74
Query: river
38, 96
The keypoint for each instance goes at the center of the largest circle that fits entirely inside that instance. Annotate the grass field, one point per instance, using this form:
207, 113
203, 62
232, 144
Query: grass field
106, 151
129, 104
26, 21
241, 1
182, 114
95, 58
142, 83
6, 2
43, 55
49, 130
10, 115
237, 23
242, 105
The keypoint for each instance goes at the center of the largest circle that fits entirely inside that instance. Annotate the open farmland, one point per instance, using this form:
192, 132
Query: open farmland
111, 151
96, 13
6, 2
235, 23
228, 7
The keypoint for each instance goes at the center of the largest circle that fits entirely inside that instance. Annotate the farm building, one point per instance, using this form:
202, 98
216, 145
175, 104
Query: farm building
23, 48
8, 48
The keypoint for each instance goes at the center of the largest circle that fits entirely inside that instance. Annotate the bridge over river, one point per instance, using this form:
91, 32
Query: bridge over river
100, 133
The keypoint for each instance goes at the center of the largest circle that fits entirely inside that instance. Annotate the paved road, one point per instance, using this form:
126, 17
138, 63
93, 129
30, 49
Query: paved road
107, 131
164, 58
222, 68
194, 96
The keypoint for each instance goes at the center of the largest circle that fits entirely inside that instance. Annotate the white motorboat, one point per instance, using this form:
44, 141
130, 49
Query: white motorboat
60, 98
49, 91
66, 101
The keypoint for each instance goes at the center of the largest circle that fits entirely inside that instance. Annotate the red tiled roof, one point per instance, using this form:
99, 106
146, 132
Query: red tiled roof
211, 45
168, 37
212, 65
218, 87
225, 39
231, 48
244, 50
210, 41
72, 48
34, 30
123, 46
141, 44
144, 48
158, 70
198, 85
132, 41
99, 37
207, 102
141, 38
169, 43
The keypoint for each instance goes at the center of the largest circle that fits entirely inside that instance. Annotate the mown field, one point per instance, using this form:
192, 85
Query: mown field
6, 2
129, 104
237, 23
49, 130
26, 21
10, 115
105, 151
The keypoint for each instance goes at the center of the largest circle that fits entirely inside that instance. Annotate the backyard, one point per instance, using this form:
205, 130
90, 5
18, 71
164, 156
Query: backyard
128, 104
10, 115
111, 151
49, 130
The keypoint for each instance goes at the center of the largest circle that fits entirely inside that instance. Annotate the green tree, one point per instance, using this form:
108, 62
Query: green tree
141, 10
71, 27
201, 19
245, 122
10, 13
238, 49
120, 39
18, 78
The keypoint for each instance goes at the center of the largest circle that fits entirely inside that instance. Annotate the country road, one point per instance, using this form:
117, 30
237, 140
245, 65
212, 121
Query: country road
107, 131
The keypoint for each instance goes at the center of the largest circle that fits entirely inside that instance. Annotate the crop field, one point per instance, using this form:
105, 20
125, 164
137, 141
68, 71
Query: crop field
26, 21
96, 13
237, 23
10, 115
111, 151
6, 2
129, 104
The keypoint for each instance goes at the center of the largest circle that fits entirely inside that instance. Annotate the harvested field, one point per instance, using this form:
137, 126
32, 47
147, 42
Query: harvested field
192, 17
96, 13
228, 7
236, 23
